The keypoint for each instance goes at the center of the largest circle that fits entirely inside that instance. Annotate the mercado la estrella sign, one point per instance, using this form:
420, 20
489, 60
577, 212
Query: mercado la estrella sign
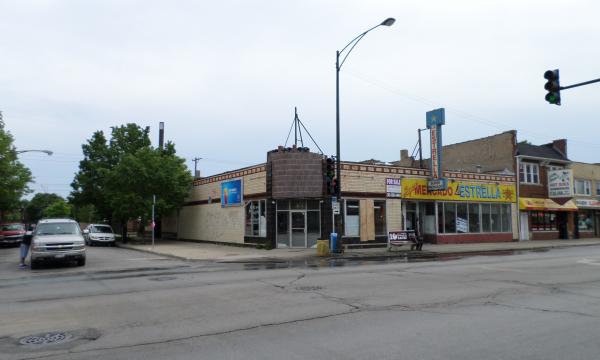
459, 190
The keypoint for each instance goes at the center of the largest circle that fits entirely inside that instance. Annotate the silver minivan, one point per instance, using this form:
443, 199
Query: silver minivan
59, 240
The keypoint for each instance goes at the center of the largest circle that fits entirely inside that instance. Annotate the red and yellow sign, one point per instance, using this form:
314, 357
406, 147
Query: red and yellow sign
545, 205
459, 191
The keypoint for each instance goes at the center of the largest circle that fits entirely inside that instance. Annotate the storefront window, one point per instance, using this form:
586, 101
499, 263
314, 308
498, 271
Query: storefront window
352, 218
462, 218
449, 217
506, 218
256, 220
496, 218
379, 213
440, 213
474, 219
486, 225
585, 220
543, 221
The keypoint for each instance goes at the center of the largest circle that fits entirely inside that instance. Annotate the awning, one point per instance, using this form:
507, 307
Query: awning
545, 205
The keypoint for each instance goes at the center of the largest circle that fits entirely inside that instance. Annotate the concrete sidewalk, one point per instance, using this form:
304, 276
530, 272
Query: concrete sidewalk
224, 253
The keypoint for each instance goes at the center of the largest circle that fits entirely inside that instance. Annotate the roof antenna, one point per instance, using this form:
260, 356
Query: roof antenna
298, 126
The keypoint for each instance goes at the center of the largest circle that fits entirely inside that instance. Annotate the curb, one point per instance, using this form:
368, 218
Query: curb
358, 256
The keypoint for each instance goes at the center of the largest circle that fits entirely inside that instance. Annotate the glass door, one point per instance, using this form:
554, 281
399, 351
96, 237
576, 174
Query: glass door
283, 229
298, 228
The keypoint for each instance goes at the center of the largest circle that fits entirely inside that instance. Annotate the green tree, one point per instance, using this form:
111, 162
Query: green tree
14, 176
148, 172
36, 206
58, 209
99, 159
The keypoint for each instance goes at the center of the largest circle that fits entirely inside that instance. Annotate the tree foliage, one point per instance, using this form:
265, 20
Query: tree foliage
120, 175
58, 209
38, 204
14, 176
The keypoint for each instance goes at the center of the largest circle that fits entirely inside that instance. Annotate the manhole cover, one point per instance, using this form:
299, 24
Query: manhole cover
309, 288
46, 339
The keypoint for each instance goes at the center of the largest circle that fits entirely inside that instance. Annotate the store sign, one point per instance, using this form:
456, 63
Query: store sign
560, 183
401, 237
393, 187
434, 121
437, 184
231, 193
587, 203
459, 190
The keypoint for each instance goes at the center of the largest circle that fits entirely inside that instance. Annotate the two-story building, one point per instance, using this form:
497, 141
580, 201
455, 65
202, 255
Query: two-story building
586, 190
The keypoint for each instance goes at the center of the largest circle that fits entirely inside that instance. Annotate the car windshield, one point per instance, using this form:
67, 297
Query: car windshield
101, 229
58, 229
11, 227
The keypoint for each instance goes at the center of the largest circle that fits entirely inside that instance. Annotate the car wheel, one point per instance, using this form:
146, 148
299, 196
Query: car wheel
35, 265
81, 262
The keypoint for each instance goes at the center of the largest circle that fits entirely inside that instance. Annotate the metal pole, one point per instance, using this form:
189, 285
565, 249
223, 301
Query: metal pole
153, 202
580, 84
420, 151
337, 138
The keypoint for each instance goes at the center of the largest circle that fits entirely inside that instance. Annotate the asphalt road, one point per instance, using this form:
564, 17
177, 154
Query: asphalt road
130, 305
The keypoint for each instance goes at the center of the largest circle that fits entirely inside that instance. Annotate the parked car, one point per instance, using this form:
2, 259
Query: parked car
11, 234
99, 234
57, 240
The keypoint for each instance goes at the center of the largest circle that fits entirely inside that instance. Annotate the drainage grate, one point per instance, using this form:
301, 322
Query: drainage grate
46, 339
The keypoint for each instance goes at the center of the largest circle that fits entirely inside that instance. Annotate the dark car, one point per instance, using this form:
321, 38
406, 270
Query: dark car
11, 234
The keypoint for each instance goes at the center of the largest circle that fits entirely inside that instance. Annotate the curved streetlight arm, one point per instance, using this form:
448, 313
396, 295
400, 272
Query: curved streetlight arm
48, 152
353, 43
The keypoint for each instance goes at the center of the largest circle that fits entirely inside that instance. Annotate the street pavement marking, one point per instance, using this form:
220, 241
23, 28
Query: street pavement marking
589, 262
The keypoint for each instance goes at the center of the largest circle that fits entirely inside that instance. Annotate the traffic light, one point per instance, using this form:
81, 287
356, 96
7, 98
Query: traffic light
329, 175
553, 87
334, 186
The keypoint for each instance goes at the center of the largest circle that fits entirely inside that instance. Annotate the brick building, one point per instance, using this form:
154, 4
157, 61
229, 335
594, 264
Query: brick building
587, 198
284, 203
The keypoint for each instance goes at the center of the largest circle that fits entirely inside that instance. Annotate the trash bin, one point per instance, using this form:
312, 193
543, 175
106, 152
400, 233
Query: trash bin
333, 242
322, 247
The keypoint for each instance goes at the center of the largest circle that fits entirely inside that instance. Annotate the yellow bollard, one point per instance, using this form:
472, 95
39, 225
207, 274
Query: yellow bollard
322, 247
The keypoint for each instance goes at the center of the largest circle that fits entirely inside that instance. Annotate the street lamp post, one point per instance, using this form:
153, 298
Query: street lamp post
338, 67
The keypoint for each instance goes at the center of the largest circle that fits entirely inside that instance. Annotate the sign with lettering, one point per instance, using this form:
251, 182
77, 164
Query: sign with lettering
416, 188
588, 203
560, 183
402, 237
393, 187
437, 184
434, 120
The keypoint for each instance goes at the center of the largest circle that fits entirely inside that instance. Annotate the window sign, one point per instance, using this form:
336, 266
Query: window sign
393, 187
560, 183
462, 225
231, 193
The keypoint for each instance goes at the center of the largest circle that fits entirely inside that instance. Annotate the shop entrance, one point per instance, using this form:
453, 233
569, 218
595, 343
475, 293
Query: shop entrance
420, 214
298, 223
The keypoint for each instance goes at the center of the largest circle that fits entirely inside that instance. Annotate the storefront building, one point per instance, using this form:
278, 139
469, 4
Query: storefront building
547, 208
586, 190
284, 203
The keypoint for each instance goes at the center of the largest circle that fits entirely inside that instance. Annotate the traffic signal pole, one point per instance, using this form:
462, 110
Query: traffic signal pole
580, 84
553, 86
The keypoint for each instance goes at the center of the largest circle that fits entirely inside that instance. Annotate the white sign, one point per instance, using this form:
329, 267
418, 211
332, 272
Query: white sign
560, 183
393, 187
462, 225
336, 208
588, 203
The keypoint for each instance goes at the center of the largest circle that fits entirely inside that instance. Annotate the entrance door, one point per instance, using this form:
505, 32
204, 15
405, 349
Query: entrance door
298, 229
524, 225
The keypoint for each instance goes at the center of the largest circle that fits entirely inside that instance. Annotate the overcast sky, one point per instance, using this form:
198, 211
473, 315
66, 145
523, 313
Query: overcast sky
225, 76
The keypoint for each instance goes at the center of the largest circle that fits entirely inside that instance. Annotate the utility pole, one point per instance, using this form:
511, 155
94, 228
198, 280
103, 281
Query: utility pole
195, 160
